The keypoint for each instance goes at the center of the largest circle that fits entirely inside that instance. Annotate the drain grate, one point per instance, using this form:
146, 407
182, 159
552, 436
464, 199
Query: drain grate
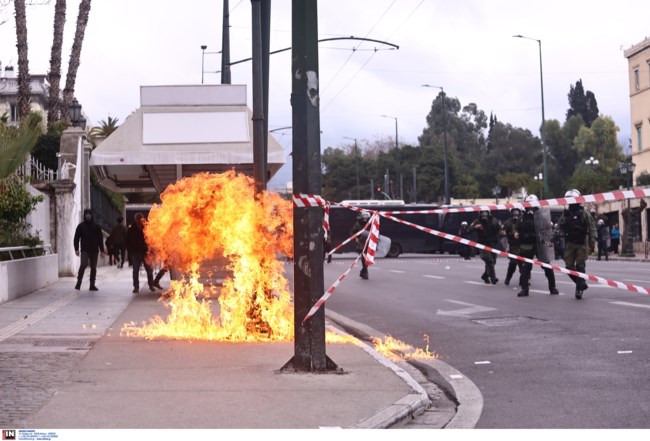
72, 344
507, 321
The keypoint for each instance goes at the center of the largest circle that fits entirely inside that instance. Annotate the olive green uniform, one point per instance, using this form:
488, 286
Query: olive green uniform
580, 233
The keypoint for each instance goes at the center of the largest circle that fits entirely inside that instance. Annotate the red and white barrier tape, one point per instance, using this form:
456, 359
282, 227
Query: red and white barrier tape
601, 280
351, 238
373, 239
329, 292
308, 200
326, 220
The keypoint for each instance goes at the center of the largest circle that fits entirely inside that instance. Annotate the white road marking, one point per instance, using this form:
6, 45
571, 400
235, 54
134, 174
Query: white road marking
539, 291
397, 271
482, 362
471, 282
432, 277
636, 305
635, 280
624, 352
464, 312
456, 377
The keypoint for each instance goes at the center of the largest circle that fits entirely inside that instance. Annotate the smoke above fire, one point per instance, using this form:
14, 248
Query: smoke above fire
210, 218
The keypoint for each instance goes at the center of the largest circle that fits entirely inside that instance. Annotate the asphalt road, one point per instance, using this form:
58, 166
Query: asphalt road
541, 361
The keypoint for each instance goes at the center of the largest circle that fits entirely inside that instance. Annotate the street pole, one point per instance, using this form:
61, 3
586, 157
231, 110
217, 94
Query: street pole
309, 338
356, 163
259, 158
203, 48
414, 199
225, 45
372, 189
398, 175
542, 131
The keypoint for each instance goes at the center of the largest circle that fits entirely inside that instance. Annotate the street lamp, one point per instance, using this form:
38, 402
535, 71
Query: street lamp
627, 168
399, 174
541, 80
356, 163
591, 162
540, 177
203, 52
444, 129
75, 113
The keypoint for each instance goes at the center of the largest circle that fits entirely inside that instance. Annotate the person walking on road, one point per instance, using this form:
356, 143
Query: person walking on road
536, 235
580, 232
488, 228
361, 221
118, 240
465, 250
602, 230
511, 230
616, 237
88, 242
137, 247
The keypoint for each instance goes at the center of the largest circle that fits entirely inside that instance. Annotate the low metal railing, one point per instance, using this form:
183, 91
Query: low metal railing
26, 251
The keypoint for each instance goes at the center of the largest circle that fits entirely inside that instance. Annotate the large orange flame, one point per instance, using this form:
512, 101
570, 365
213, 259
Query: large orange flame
220, 216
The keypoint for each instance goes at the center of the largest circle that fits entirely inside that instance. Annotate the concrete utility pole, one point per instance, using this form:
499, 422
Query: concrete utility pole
260, 62
225, 45
309, 338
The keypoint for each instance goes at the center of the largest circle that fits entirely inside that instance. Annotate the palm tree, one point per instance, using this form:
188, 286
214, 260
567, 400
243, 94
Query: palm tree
17, 142
105, 128
24, 86
54, 75
75, 55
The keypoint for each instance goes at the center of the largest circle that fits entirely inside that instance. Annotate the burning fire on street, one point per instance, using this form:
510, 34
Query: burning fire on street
218, 216
208, 217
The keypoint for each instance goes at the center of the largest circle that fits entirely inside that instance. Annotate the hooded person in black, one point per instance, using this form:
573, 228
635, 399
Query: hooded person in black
89, 236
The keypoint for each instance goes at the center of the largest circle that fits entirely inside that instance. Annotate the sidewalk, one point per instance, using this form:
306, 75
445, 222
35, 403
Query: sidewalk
65, 365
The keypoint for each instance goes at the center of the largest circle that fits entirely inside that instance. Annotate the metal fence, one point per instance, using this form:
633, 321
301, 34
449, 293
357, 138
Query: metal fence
37, 171
13, 253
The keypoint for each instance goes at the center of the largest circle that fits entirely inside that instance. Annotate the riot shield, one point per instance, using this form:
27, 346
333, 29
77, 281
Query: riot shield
544, 232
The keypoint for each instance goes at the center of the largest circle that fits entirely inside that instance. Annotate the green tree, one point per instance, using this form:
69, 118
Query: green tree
17, 142
643, 178
583, 104
106, 127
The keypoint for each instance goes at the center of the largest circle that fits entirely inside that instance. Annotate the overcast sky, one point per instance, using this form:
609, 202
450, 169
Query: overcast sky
466, 46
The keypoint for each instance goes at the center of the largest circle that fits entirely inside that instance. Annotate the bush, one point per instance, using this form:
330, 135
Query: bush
15, 205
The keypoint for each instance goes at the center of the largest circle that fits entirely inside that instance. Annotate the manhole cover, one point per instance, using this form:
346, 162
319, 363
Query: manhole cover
73, 344
507, 321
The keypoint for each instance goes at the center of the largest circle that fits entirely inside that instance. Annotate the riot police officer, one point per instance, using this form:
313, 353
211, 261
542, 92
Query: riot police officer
488, 228
511, 231
580, 234
536, 236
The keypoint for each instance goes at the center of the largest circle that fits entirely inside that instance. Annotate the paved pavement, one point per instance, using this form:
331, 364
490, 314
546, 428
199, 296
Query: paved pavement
63, 364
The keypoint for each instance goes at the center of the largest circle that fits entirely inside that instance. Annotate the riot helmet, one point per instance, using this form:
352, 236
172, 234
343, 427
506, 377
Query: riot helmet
573, 193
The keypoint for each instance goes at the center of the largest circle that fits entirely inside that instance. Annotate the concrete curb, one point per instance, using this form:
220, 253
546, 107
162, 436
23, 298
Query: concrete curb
467, 394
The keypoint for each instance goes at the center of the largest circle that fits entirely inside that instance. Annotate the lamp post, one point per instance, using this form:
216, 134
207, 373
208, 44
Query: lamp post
203, 52
444, 130
399, 174
592, 163
541, 132
495, 191
627, 168
75, 113
356, 163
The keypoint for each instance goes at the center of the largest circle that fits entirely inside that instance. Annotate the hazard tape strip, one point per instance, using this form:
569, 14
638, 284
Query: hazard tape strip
373, 240
601, 280
326, 220
303, 200
349, 239
329, 292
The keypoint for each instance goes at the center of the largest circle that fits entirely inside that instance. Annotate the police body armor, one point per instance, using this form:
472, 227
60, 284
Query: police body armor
544, 231
575, 229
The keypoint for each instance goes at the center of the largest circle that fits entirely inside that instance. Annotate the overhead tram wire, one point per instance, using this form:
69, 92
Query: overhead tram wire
370, 58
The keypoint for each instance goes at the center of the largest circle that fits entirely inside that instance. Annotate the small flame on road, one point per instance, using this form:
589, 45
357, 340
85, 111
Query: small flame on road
396, 350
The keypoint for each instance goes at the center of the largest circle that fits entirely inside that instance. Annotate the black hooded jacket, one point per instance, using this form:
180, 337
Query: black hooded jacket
90, 236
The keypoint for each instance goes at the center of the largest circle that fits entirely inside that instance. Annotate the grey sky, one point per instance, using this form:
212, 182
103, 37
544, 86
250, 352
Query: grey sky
466, 46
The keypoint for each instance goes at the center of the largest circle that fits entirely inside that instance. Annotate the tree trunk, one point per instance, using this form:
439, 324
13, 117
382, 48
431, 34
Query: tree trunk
54, 76
24, 81
75, 55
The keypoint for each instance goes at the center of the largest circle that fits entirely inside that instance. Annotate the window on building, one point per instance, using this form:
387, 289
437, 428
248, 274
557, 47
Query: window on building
639, 137
636, 80
13, 109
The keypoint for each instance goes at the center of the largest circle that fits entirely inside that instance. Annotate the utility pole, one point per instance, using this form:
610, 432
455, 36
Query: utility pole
259, 156
225, 45
309, 337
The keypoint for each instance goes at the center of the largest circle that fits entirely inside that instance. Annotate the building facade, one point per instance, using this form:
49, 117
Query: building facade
9, 95
638, 57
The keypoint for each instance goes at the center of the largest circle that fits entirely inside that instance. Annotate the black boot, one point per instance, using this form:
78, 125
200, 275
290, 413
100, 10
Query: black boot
485, 278
553, 290
523, 292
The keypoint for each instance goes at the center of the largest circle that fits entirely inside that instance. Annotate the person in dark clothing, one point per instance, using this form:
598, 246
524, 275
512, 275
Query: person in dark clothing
88, 241
118, 240
602, 231
362, 220
511, 230
137, 247
488, 228
465, 250
529, 241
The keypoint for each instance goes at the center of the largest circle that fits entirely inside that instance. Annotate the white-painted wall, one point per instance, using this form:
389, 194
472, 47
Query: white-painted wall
24, 276
39, 219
